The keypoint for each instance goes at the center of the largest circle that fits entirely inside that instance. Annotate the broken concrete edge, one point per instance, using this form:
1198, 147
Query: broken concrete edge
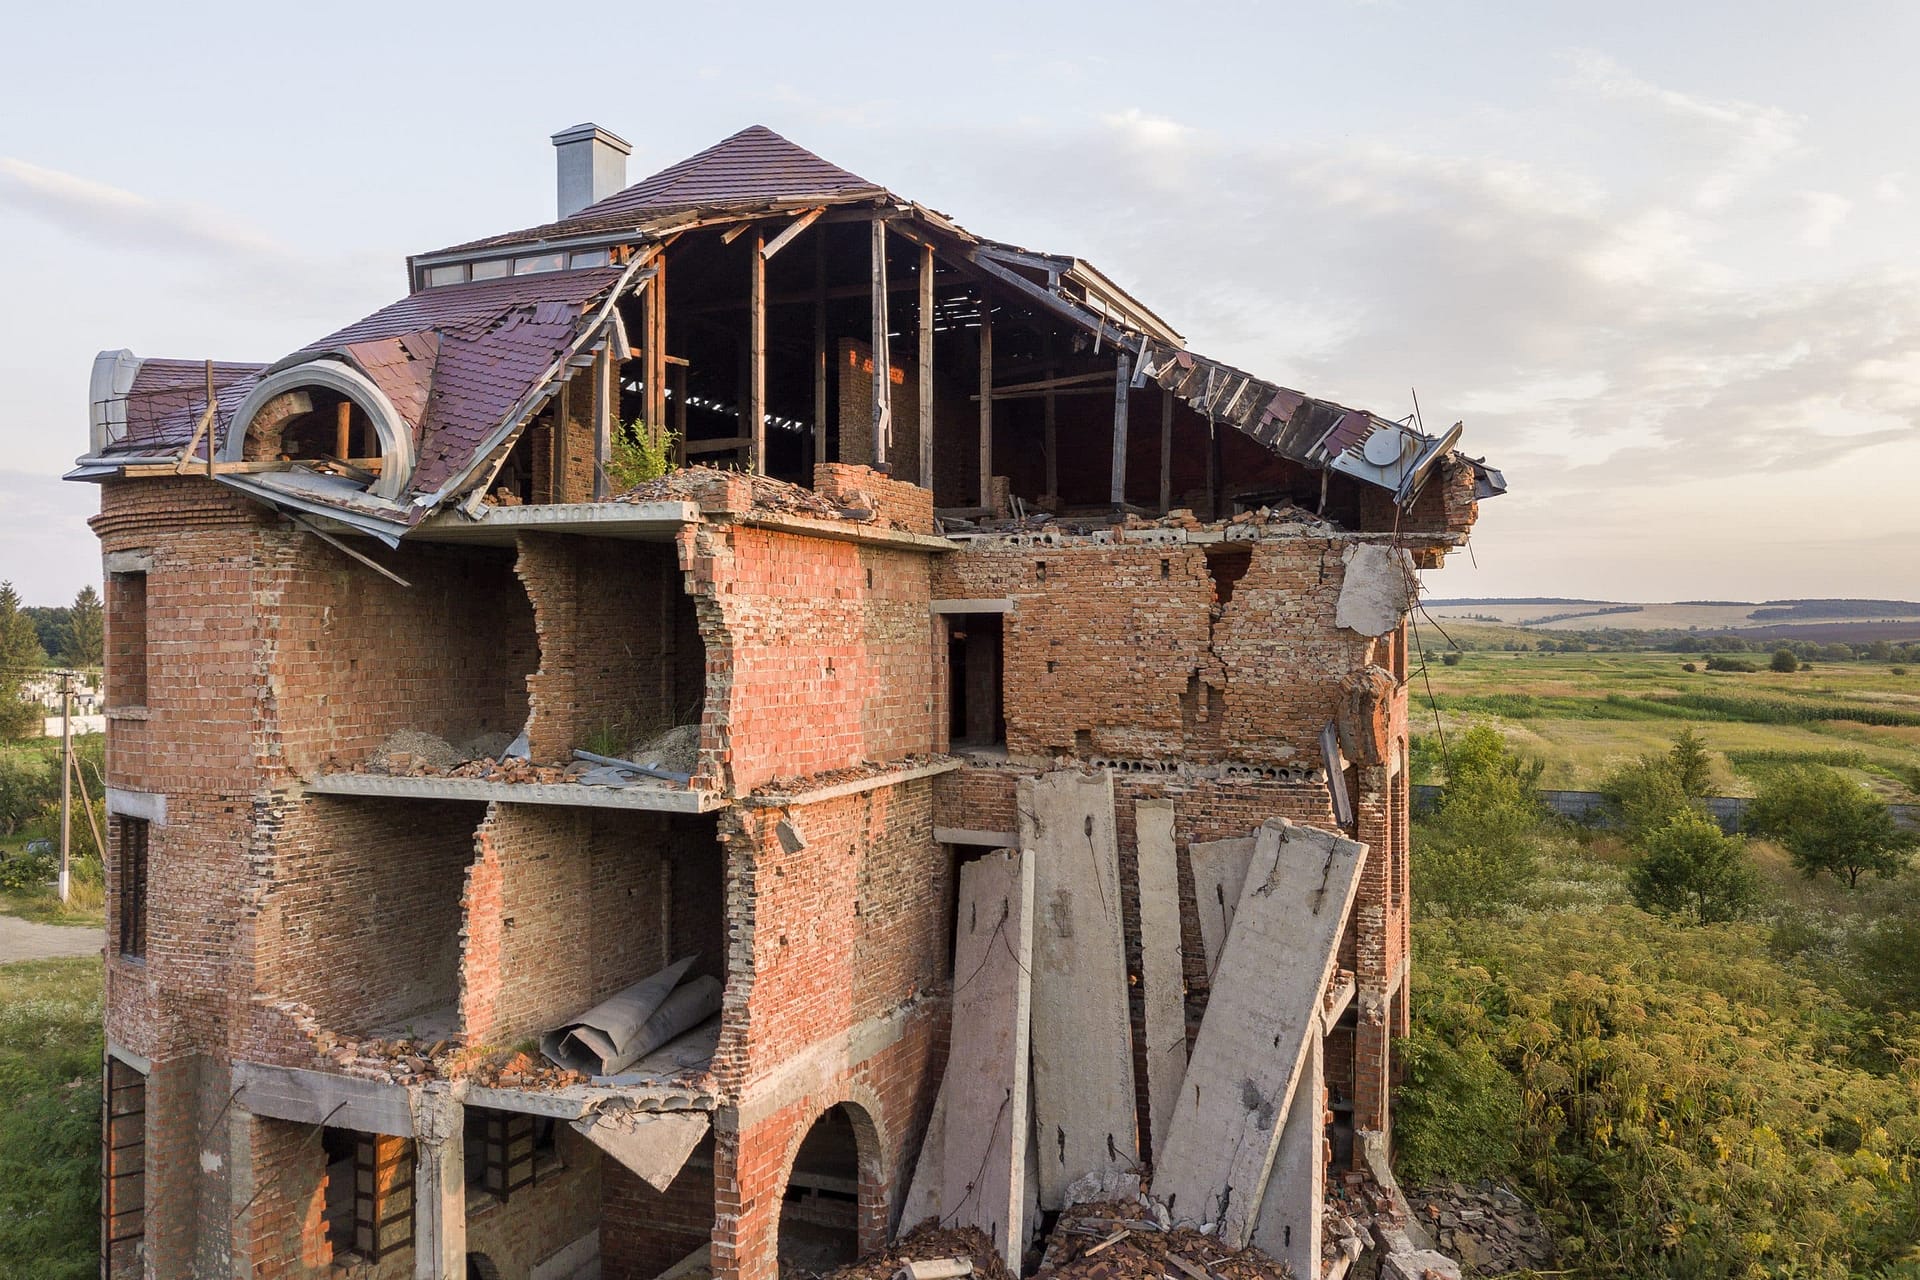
778, 799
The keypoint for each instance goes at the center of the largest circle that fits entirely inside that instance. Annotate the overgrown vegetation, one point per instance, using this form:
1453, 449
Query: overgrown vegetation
1829, 824
1478, 850
50, 1046
1716, 1082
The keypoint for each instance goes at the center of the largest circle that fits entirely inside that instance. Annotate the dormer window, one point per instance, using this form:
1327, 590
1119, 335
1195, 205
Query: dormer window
328, 416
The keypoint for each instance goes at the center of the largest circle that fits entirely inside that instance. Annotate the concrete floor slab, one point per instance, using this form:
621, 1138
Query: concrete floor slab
1162, 987
1082, 1033
1288, 1226
1265, 1005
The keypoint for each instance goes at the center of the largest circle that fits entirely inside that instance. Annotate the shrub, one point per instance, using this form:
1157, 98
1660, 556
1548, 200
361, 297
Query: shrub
1898, 671
1829, 823
27, 872
1730, 664
1783, 660
1645, 796
1688, 667
1691, 869
1476, 854
1451, 658
638, 455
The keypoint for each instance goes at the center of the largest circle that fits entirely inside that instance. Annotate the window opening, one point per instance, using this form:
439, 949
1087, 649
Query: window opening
134, 837
975, 696
369, 1193
123, 1159
127, 631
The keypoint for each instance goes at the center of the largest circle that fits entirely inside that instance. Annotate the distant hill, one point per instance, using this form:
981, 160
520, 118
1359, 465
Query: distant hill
1833, 619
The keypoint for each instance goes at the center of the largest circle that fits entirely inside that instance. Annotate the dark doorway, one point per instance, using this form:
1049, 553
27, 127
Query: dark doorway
819, 1215
975, 703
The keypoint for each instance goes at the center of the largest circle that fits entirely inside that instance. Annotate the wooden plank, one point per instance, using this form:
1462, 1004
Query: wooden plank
757, 358
730, 444
1261, 1017
816, 434
882, 354
1166, 451
1051, 443
986, 408
1162, 991
603, 393
794, 228
1123, 375
926, 369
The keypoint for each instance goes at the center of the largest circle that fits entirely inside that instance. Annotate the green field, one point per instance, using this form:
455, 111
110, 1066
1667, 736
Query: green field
1585, 713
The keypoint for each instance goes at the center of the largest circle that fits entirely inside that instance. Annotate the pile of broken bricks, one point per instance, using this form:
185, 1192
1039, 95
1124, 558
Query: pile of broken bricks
1036, 1111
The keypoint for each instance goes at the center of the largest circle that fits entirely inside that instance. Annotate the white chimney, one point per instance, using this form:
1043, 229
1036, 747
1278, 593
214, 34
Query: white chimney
592, 165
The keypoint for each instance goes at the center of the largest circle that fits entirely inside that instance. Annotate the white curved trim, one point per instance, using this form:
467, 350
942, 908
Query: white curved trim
396, 437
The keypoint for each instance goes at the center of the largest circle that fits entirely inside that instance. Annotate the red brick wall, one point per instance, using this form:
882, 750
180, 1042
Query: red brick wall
1110, 650
643, 1231
619, 646
361, 919
820, 653
896, 504
352, 657
565, 907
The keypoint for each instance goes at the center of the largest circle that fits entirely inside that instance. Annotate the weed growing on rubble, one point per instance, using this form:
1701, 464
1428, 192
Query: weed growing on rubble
638, 455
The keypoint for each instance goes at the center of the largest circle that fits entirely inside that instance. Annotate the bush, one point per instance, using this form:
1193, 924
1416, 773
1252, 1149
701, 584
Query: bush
638, 455
27, 872
1476, 854
1688, 667
1730, 664
1784, 661
1829, 823
1645, 796
1691, 869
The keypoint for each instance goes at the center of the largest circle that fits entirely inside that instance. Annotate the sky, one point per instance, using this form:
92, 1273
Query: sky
1658, 258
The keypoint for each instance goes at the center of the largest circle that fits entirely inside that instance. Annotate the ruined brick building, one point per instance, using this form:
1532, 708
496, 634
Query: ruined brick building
962, 551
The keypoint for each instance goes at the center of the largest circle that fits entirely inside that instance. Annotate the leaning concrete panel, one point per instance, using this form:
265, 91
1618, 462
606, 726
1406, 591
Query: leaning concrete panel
1082, 1035
1163, 990
1288, 1228
982, 1183
1264, 1008
924, 1193
1219, 873
655, 1145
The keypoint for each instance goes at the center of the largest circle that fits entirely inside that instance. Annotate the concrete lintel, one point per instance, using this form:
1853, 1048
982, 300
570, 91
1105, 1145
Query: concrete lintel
127, 562
150, 805
1339, 996
639, 521
660, 799
846, 531
138, 1061
967, 835
893, 777
973, 606
322, 1097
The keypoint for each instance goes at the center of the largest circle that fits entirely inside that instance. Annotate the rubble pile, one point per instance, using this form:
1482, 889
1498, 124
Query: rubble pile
711, 487
926, 1244
1487, 1226
1281, 516
1118, 1240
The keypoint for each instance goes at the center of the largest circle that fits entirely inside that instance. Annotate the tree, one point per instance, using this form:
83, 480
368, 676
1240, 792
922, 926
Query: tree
85, 631
1691, 868
1477, 852
1784, 661
1691, 763
1829, 823
1645, 795
20, 655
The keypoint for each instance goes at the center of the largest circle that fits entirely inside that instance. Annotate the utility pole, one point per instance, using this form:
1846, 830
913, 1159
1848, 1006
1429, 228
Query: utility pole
66, 783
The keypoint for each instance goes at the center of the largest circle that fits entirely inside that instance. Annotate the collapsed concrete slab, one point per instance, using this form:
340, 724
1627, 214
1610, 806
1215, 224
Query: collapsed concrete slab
983, 1178
654, 1145
925, 1193
1377, 591
1288, 1226
1263, 1012
1082, 1034
1160, 963
1219, 873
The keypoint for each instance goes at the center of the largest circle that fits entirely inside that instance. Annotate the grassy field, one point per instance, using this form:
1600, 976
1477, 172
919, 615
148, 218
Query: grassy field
1585, 713
50, 1045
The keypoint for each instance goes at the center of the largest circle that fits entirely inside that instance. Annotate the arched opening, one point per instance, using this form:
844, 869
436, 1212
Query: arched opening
328, 414
480, 1267
820, 1211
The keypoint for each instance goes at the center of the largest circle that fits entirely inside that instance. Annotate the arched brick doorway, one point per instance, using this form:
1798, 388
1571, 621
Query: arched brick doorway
834, 1177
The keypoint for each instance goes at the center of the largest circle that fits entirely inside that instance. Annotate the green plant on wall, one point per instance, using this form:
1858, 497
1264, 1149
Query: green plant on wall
638, 455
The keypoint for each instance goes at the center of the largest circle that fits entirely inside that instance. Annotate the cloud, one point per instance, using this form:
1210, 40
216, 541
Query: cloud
94, 210
1825, 211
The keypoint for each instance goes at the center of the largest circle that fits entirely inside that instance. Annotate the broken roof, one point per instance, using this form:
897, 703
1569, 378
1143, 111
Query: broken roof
455, 369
